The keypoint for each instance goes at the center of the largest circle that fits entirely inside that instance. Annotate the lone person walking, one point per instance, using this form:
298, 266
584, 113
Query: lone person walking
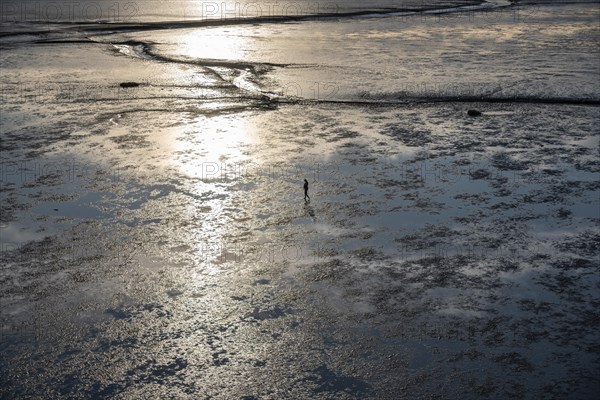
306, 190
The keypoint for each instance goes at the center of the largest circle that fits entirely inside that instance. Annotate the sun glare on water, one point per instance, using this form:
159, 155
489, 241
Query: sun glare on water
214, 43
213, 147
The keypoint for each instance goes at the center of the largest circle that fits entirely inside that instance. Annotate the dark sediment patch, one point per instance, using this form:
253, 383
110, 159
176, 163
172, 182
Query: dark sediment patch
409, 137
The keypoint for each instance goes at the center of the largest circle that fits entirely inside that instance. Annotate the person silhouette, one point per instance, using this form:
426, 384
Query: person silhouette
306, 190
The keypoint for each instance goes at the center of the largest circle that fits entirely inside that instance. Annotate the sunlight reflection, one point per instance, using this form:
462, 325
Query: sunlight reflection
211, 151
215, 43
212, 148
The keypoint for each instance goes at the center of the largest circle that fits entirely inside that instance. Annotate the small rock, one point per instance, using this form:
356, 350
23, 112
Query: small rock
129, 84
474, 113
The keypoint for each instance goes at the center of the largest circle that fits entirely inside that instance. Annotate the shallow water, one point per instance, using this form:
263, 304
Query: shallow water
155, 242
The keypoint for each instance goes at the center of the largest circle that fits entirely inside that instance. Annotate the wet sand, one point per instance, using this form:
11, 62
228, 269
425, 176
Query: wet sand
156, 244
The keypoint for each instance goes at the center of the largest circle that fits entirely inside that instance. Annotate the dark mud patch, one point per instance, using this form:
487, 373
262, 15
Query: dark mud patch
333, 270
328, 381
366, 254
480, 174
270, 313
131, 141
514, 361
341, 134
585, 244
506, 162
408, 137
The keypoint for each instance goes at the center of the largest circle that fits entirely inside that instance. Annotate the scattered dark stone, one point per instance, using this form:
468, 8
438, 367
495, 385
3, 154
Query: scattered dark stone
129, 84
474, 113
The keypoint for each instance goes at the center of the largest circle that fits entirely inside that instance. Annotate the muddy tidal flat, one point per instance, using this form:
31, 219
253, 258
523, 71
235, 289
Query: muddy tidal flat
156, 243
